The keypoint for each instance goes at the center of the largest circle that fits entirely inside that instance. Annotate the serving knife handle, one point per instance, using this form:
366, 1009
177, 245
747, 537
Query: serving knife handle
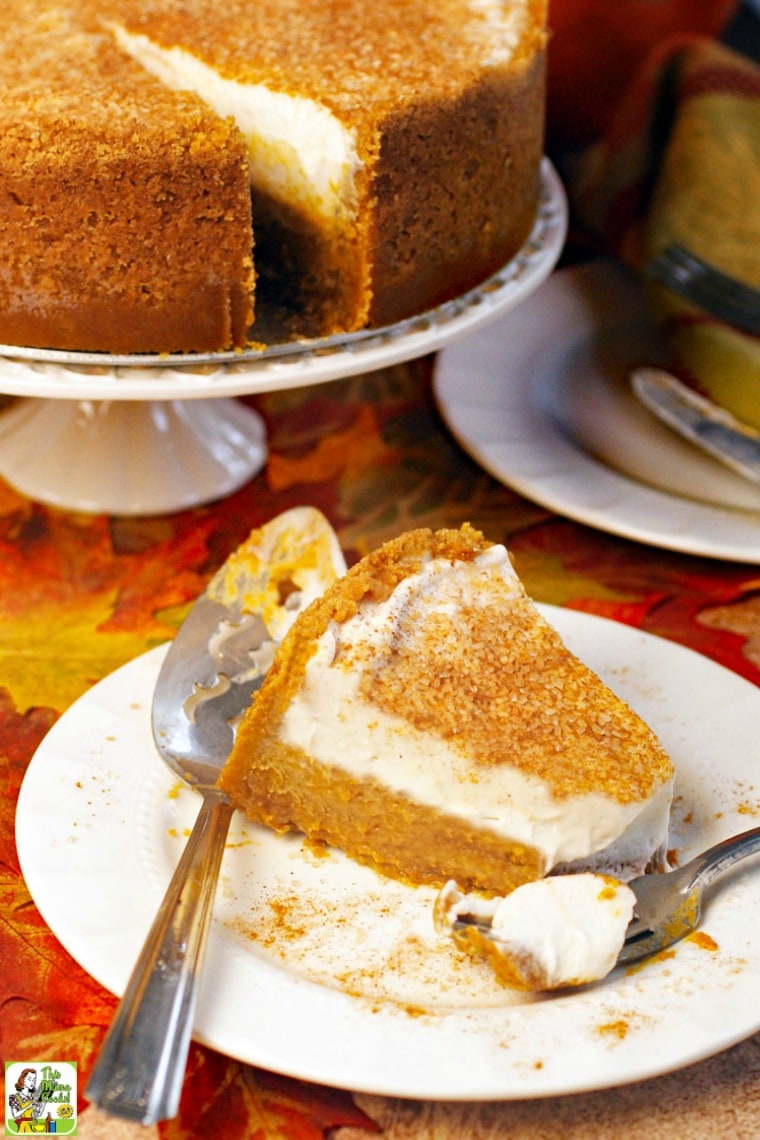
139, 1071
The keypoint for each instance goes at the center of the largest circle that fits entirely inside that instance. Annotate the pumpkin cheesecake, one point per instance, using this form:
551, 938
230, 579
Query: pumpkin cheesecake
373, 160
424, 717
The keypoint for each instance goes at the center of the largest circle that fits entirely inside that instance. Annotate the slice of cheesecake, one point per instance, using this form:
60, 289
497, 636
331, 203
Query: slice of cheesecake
424, 717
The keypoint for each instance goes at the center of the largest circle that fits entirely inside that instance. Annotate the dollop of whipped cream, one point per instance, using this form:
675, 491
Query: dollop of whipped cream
563, 930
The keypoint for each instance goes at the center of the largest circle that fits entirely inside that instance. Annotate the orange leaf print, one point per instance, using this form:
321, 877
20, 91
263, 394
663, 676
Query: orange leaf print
350, 451
223, 1097
19, 737
73, 607
28, 1032
35, 967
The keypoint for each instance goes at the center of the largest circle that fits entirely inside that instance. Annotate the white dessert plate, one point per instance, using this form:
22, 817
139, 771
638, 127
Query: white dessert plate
319, 969
541, 400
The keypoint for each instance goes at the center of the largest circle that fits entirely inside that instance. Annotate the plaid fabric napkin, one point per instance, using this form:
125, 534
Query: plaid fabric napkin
681, 163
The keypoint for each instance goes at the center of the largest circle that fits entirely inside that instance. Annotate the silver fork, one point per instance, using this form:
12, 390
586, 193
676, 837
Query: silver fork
709, 288
668, 904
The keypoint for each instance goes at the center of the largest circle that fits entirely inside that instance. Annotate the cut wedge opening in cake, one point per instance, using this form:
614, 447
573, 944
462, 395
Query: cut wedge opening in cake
424, 717
304, 169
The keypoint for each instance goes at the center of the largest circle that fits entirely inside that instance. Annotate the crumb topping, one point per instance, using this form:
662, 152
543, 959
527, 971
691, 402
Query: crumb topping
435, 44
496, 681
490, 676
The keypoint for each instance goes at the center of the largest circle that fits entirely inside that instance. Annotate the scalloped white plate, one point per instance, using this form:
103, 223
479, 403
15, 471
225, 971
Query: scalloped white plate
319, 969
540, 399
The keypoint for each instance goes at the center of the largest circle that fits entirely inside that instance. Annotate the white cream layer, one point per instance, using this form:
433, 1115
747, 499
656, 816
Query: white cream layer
331, 721
298, 151
501, 25
561, 931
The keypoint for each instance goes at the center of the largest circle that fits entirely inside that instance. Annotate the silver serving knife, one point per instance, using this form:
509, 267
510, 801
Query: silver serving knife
711, 428
213, 667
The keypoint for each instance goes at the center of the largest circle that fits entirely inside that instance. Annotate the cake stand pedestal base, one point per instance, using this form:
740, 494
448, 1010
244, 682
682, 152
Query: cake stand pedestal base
128, 457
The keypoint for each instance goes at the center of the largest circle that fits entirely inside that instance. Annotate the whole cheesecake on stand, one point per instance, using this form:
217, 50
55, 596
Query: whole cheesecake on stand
173, 169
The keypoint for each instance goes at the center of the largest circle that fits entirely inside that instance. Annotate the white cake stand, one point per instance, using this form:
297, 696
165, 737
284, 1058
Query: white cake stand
144, 435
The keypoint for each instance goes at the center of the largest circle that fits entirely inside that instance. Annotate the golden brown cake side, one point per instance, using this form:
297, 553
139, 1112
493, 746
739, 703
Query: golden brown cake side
486, 690
448, 215
125, 219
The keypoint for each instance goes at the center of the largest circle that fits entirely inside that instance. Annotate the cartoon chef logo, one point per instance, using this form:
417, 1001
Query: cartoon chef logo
41, 1098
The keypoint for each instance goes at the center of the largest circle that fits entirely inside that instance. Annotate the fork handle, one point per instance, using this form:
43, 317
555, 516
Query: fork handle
717, 859
139, 1072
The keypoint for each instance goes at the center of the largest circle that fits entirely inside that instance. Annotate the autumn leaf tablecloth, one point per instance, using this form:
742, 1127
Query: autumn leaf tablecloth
82, 594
